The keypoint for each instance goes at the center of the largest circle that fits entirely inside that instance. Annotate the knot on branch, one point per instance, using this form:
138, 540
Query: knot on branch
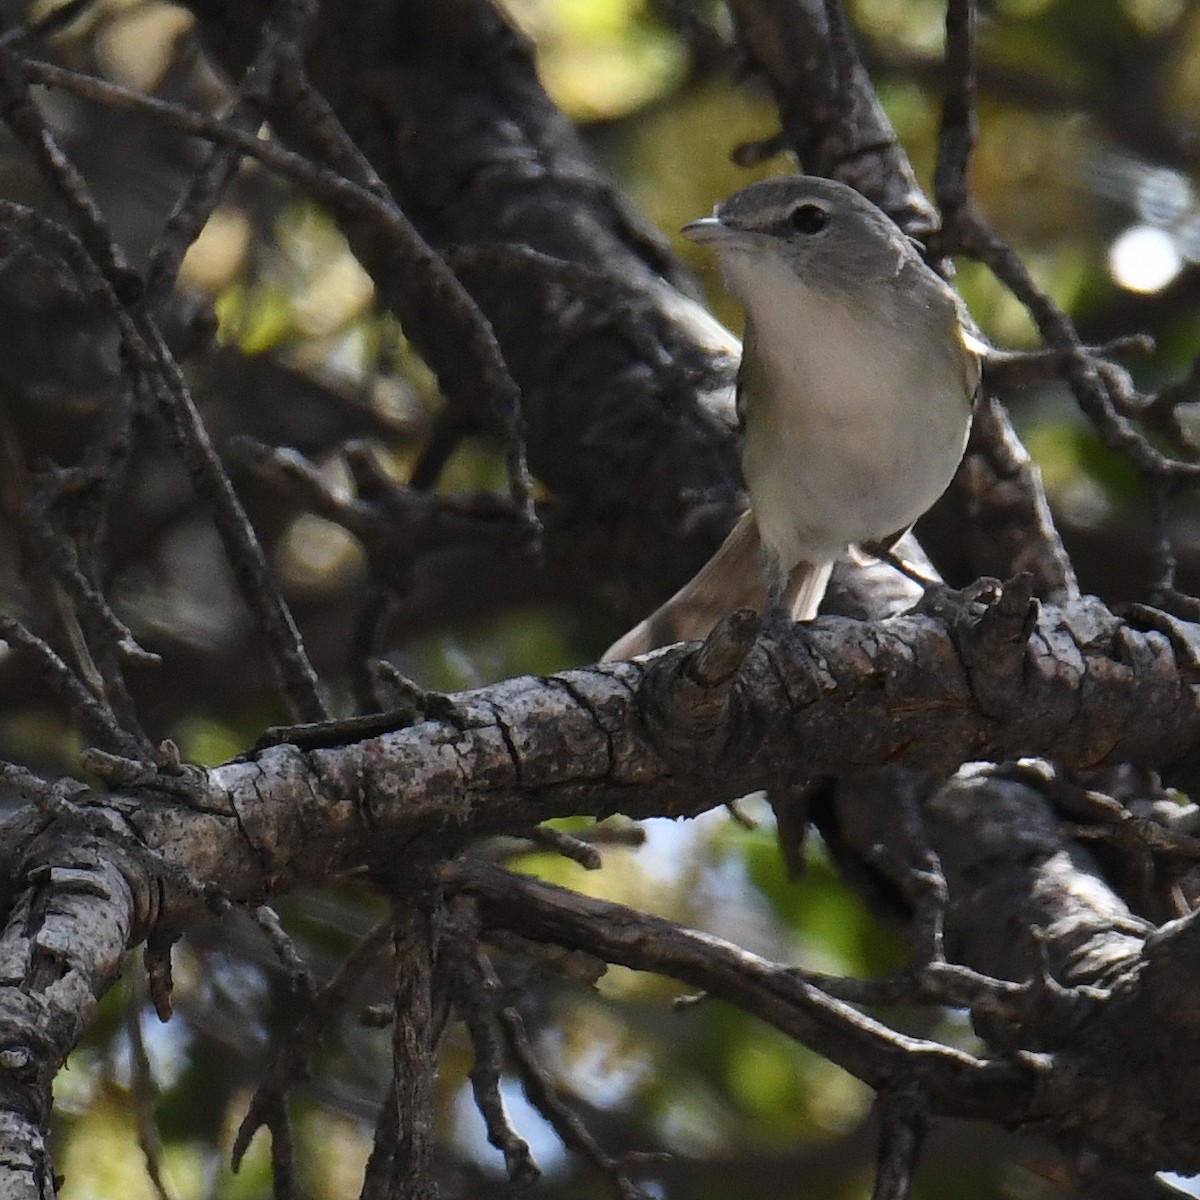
688, 695
1183, 635
167, 774
991, 625
1115, 1078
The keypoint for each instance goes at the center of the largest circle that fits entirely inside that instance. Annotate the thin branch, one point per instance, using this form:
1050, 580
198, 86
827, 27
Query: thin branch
903, 1120
397, 525
960, 126
55, 799
290, 1062
454, 304
401, 1162
93, 715
84, 594
161, 373
1084, 375
108, 277
944, 983
47, 25
541, 1092
283, 33
958, 1082
100, 639
570, 847
475, 987
283, 1155
299, 976
479, 380
1006, 370
144, 1089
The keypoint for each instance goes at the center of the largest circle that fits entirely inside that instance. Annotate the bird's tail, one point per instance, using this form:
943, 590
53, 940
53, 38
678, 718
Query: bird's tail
805, 589
733, 578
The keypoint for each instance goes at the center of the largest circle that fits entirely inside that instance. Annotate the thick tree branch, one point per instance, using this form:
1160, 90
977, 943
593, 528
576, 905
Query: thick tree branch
1028, 904
670, 736
660, 737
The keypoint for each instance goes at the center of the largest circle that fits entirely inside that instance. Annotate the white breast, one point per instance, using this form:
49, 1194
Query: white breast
856, 416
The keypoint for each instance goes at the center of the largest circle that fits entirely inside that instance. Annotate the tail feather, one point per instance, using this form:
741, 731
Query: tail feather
732, 578
805, 590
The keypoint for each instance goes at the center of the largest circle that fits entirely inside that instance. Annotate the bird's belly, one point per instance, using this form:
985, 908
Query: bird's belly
848, 466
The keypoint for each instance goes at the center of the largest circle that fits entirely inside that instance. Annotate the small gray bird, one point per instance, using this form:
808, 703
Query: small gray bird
855, 391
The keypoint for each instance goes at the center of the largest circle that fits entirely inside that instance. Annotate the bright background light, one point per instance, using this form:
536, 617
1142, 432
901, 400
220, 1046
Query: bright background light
1144, 259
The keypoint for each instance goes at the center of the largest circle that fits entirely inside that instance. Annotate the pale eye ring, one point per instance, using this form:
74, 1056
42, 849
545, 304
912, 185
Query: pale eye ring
808, 218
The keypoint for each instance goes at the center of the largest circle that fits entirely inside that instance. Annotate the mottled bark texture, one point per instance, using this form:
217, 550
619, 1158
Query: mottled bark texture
673, 737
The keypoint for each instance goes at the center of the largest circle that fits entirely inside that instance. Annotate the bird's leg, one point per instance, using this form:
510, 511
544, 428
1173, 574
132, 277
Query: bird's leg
884, 552
777, 619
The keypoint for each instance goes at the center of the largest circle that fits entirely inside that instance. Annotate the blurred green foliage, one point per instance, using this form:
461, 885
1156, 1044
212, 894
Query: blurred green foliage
601, 58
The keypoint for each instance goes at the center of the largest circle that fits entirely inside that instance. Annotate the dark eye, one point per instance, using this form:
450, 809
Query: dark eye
808, 218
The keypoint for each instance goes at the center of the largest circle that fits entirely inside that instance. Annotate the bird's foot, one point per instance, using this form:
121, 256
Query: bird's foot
885, 554
777, 621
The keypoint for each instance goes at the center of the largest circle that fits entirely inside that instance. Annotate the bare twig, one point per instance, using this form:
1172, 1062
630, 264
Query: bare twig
159, 975
956, 1082
1084, 375
956, 141
94, 715
282, 35
83, 592
903, 1119
1005, 369
109, 280
48, 24
943, 983
143, 1088
290, 1063
569, 847
541, 1092
474, 990
100, 640
401, 1161
922, 880
452, 302
300, 977
478, 380
55, 799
